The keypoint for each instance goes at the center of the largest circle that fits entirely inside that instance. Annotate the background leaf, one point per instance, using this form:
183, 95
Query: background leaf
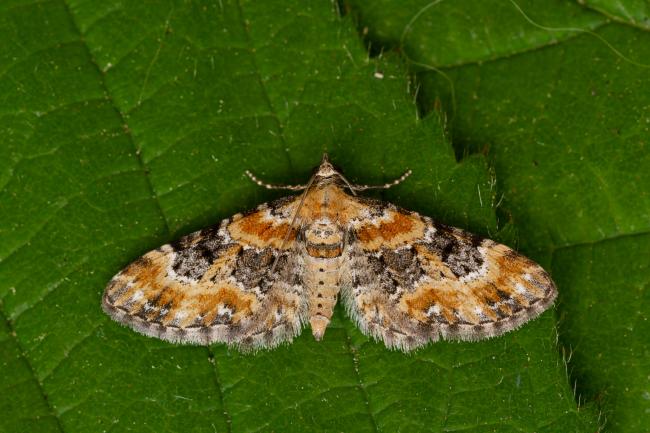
634, 12
563, 116
126, 125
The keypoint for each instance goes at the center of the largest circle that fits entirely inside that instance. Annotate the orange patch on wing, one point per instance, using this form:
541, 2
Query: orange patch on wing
150, 277
147, 268
146, 275
419, 302
171, 297
486, 292
241, 304
256, 230
507, 268
206, 305
490, 314
400, 229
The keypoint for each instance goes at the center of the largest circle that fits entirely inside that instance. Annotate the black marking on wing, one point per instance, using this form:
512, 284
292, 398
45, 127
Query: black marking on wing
276, 207
252, 265
402, 266
194, 257
460, 254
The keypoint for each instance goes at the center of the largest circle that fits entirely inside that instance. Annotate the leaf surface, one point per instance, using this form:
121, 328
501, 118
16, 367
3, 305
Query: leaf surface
634, 12
127, 125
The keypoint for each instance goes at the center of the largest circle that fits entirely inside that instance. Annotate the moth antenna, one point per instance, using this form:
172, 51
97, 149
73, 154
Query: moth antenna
397, 181
272, 186
347, 182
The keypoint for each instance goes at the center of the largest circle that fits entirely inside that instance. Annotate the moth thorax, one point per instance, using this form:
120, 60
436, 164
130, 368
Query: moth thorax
323, 239
322, 281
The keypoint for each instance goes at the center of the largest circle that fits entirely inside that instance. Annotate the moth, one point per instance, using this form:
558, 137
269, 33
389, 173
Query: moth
256, 279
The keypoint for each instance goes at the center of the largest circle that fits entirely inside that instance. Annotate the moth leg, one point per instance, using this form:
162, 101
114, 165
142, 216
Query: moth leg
271, 186
397, 181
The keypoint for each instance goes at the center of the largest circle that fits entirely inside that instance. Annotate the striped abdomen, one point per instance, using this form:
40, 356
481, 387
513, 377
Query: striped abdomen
324, 247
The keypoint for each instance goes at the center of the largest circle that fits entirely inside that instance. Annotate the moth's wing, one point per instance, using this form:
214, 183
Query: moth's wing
215, 285
409, 280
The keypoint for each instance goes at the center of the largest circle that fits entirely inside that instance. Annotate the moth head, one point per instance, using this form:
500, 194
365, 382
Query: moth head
327, 174
326, 169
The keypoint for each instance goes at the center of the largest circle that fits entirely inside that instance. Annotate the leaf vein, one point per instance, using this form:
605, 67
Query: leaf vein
12, 332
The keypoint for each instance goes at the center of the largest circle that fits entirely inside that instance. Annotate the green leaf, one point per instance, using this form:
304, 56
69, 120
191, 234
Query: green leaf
27, 406
565, 125
127, 124
610, 350
634, 12
445, 34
